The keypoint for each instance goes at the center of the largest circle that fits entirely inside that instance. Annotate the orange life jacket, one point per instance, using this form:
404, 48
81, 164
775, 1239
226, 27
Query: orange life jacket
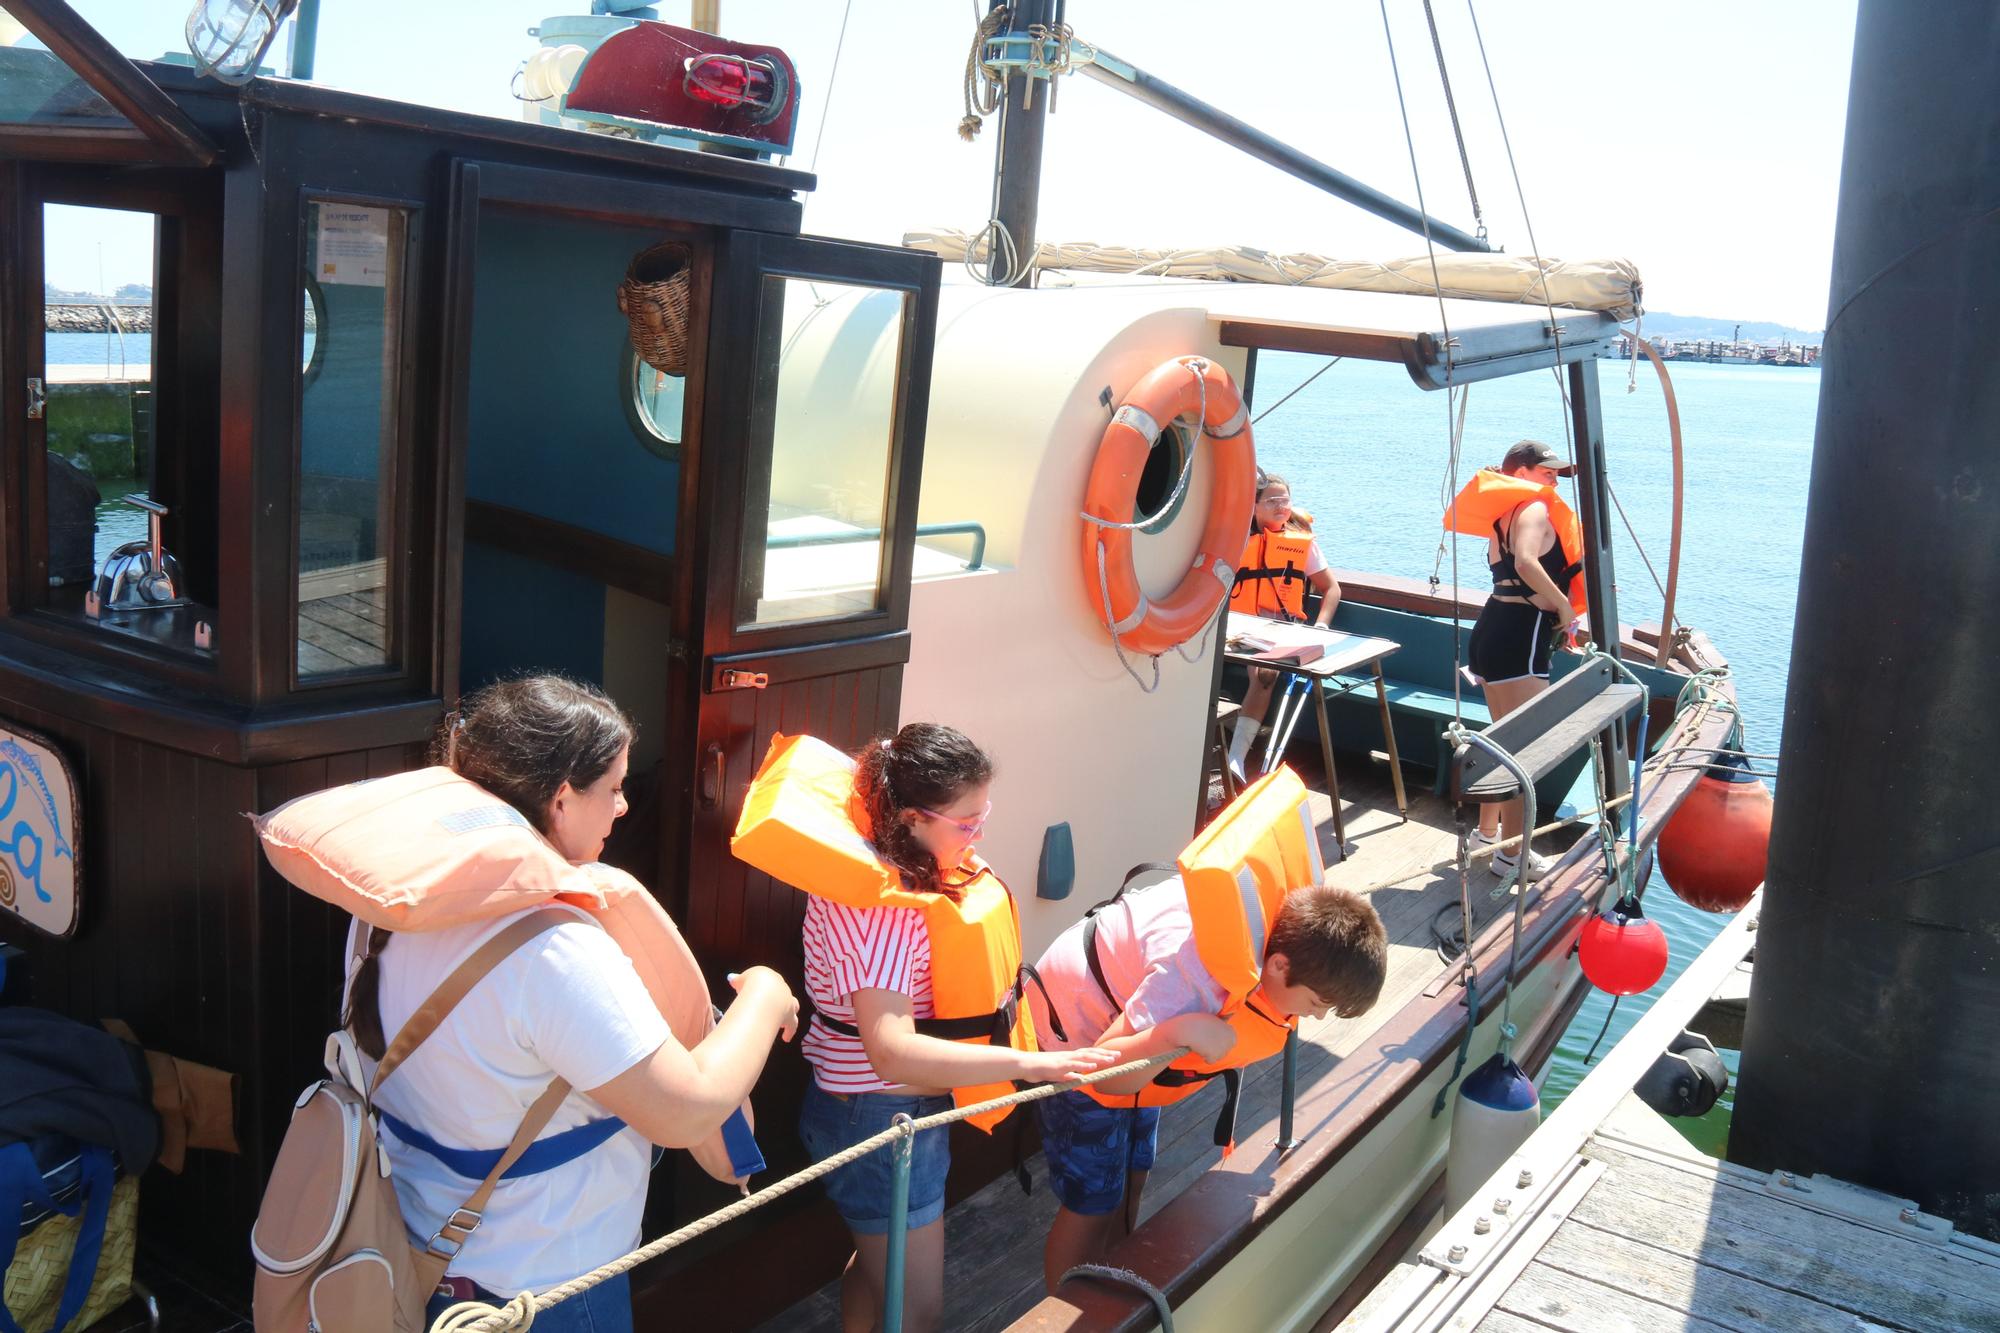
1271, 576
1491, 496
802, 823
430, 849
1236, 874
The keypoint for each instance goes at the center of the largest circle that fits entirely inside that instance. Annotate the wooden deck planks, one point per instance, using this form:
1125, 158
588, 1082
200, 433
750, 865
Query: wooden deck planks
343, 631
1876, 1276
1570, 1304
993, 1240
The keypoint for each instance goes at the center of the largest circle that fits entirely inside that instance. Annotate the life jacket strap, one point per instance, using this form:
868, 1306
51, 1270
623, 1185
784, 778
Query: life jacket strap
945, 1029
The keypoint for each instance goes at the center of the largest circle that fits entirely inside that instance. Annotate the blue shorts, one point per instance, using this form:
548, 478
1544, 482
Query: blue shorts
1092, 1147
830, 1122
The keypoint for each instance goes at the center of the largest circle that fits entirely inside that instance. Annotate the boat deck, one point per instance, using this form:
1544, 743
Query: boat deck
1649, 1234
993, 1240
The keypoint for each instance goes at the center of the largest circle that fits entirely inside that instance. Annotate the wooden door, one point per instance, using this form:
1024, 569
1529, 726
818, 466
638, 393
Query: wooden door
801, 529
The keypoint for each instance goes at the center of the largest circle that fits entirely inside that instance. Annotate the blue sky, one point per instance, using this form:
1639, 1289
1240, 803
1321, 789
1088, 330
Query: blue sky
1699, 139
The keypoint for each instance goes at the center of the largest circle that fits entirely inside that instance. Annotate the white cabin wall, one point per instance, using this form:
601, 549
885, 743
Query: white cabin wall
1019, 658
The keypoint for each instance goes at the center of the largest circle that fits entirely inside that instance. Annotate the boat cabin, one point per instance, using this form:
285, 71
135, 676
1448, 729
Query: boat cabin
393, 441
381, 433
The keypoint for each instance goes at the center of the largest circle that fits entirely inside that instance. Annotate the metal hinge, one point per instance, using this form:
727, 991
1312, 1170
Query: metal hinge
38, 399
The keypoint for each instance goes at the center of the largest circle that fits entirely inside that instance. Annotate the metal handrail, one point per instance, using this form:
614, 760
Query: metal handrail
792, 540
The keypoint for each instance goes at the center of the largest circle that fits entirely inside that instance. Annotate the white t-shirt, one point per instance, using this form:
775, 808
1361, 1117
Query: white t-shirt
1145, 943
566, 1003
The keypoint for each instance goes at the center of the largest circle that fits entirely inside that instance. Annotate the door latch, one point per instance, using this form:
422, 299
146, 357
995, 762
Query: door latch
732, 679
38, 399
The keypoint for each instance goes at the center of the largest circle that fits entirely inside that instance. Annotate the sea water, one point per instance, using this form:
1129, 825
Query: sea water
1367, 454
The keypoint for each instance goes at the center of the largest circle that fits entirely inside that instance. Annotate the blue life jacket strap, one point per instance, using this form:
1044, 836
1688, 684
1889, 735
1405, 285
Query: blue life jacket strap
542, 1155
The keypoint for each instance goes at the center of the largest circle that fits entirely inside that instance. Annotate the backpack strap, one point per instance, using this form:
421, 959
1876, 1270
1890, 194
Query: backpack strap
450, 1237
437, 1253
455, 987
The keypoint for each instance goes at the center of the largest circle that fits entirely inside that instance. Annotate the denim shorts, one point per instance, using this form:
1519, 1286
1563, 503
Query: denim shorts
830, 1122
604, 1308
1092, 1147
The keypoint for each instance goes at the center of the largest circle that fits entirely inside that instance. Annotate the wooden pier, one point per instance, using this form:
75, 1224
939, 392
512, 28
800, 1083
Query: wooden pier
1608, 1220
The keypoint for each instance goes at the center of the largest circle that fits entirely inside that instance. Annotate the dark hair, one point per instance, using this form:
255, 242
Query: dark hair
521, 740
1335, 944
923, 766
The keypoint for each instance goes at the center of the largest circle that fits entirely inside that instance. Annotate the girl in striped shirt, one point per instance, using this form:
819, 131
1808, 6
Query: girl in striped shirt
869, 970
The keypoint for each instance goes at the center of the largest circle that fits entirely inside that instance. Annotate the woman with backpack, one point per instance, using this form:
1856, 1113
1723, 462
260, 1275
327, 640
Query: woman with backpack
567, 1004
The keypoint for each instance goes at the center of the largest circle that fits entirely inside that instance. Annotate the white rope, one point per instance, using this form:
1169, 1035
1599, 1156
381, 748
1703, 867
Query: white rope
516, 1314
1111, 628
984, 85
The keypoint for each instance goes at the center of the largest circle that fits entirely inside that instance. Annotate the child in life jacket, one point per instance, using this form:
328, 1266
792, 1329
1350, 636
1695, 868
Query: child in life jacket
1280, 561
885, 982
1150, 971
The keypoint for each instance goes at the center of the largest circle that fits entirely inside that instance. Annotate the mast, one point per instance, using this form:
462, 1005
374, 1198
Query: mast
1868, 1053
1017, 172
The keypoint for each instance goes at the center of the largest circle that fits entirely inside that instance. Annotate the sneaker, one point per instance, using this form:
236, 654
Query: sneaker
1236, 773
1538, 865
1482, 838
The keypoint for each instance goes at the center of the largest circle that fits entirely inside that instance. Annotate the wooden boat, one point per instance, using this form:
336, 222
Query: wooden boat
464, 471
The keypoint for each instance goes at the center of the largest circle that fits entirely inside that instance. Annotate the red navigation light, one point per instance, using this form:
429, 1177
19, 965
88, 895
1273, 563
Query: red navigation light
733, 82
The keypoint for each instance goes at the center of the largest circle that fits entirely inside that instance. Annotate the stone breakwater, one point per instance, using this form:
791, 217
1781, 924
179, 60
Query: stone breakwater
97, 319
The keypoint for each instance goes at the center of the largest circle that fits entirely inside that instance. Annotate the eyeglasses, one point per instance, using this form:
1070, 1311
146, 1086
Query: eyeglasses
970, 829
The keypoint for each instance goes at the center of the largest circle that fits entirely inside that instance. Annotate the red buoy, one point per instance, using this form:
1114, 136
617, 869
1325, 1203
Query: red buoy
1714, 849
1622, 952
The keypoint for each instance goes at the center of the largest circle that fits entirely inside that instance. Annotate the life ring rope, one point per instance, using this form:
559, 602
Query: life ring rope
1176, 390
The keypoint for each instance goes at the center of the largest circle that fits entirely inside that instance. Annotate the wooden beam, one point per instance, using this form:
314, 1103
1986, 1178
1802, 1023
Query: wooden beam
118, 80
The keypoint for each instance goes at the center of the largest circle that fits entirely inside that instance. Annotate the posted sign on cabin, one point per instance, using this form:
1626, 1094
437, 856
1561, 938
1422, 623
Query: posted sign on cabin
38, 834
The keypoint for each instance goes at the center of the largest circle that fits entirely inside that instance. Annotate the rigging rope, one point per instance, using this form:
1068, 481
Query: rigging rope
1450, 345
1331, 362
1451, 105
833, 76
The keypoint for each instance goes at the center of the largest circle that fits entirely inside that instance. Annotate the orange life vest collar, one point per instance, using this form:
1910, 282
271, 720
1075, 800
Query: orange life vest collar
1492, 496
1271, 578
802, 825
1236, 875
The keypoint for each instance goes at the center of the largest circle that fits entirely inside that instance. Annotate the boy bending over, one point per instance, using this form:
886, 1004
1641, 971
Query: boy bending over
1150, 992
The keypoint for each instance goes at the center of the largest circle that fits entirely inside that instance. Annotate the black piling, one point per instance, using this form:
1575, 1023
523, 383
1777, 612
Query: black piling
1869, 1047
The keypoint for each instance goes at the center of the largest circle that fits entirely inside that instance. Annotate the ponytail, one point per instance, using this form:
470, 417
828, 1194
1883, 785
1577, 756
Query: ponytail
923, 766
363, 1016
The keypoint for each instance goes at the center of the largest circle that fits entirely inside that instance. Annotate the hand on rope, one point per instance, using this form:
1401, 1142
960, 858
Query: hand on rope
518, 1313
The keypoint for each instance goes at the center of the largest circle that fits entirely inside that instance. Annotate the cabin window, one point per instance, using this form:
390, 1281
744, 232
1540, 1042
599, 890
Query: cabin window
817, 502
124, 536
349, 408
655, 402
38, 89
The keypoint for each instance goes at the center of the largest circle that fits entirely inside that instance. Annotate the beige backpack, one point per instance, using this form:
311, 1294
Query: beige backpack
333, 1255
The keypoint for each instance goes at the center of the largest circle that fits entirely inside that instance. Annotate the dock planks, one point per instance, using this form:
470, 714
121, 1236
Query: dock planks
1666, 1242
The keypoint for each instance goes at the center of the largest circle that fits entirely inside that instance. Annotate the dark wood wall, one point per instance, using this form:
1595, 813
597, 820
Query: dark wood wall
189, 936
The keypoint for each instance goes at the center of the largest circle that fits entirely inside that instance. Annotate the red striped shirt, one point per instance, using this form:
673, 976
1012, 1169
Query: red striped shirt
855, 948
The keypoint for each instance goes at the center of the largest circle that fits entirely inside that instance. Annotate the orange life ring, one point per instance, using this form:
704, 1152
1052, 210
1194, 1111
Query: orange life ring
1187, 386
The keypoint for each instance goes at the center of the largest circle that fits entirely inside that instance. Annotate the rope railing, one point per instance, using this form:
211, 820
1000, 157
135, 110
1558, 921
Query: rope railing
519, 1313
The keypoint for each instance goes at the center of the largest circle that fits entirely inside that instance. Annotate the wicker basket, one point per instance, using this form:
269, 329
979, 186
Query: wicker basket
655, 297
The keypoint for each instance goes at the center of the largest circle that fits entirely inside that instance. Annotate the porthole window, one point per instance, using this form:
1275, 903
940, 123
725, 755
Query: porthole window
1156, 503
654, 403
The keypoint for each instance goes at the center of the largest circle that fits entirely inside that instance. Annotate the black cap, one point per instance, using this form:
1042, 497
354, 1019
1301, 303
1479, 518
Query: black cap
1533, 453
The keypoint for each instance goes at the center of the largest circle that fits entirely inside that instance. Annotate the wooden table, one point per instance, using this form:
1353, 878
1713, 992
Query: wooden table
1344, 655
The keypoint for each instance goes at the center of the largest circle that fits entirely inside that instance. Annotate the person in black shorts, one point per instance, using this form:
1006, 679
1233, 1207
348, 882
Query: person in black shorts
1514, 638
